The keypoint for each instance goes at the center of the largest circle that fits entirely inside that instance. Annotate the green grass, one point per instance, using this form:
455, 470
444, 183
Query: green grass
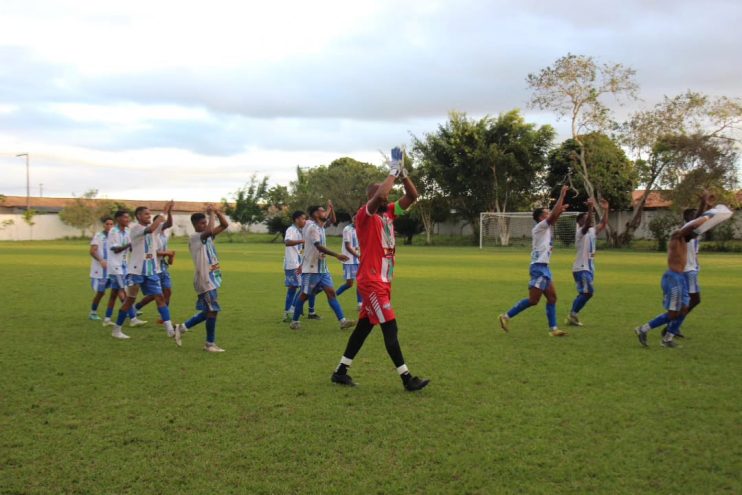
518, 413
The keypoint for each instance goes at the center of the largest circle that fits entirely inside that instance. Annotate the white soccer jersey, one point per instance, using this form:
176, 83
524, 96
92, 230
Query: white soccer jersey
100, 241
349, 236
117, 262
208, 273
314, 261
143, 260
162, 242
292, 254
542, 243
585, 244
691, 265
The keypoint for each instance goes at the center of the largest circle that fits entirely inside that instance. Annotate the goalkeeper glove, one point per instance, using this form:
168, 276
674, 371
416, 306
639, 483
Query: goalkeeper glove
395, 164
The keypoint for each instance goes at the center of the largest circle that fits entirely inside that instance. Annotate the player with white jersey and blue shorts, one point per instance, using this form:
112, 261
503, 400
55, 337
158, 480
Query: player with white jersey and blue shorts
292, 257
207, 278
143, 267
541, 279
315, 275
583, 269
118, 253
165, 258
352, 250
99, 266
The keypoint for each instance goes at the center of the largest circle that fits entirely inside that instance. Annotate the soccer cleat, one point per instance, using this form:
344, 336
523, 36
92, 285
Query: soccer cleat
573, 320
414, 384
295, 325
346, 324
109, 323
140, 312
212, 348
94, 317
504, 322
342, 380
136, 322
679, 335
670, 344
313, 316
558, 333
642, 336
120, 335
179, 331
287, 317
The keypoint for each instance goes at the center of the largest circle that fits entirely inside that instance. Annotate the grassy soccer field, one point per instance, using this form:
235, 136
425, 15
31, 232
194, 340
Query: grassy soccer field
519, 412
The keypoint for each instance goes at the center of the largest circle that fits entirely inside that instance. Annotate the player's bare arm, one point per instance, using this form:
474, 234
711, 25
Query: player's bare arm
323, 249
214, 230
352, 251
410, 194
603, 221
94, 255
559, 207
169, 212
589, 217
331, 213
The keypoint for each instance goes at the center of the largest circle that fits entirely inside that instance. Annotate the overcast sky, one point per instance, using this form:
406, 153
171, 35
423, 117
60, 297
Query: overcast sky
148, 99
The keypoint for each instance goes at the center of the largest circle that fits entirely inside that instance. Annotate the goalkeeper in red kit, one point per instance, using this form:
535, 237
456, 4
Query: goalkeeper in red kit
375, 229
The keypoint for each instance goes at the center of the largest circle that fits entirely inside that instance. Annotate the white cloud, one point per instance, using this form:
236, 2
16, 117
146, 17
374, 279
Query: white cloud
187, 99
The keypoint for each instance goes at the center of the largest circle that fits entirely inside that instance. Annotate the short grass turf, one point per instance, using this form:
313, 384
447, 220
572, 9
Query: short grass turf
520, 412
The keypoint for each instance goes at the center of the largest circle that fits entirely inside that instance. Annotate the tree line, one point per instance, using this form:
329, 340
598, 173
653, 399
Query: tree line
503, 163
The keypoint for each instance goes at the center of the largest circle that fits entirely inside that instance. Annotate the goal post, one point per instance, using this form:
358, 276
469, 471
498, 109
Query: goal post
513, 228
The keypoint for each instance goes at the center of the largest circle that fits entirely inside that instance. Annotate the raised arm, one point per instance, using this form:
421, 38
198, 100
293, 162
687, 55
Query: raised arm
382, 191
559, 207
589, 217
169, 211
331, 213
604, 220
688, 229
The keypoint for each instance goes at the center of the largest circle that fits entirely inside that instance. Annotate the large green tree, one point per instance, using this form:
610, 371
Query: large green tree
610, 171
576, 87
86, 211
487, 164
682, 143
344, 181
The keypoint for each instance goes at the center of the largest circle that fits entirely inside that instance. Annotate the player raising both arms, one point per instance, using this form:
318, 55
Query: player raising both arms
208, 274
583, 269
315, 275
541, 279
143, 267
165, 258
674, 285
99, 266
375, 229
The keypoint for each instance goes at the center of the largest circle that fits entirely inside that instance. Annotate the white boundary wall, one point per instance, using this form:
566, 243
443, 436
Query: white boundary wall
50, 227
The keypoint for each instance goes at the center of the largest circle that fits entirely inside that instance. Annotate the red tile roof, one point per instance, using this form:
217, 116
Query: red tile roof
56, 204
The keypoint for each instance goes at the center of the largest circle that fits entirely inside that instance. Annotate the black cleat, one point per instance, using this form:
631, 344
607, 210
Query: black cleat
414, 384
679, 335
343, 380
313, 316
670, 344
642, 336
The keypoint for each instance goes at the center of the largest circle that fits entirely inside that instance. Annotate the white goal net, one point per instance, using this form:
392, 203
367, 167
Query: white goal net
514, 229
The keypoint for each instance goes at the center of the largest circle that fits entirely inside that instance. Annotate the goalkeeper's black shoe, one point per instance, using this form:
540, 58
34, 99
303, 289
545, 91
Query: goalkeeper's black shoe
670, 344
679, 335
343, 380
413, 384
313, 316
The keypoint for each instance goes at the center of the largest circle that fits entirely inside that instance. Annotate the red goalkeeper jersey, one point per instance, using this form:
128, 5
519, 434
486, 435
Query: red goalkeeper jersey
376, 238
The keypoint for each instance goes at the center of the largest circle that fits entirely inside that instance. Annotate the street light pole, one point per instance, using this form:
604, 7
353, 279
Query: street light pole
28, 182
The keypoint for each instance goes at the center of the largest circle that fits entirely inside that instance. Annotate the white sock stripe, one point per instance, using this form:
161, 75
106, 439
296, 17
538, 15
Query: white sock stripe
402, 369
347, 362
